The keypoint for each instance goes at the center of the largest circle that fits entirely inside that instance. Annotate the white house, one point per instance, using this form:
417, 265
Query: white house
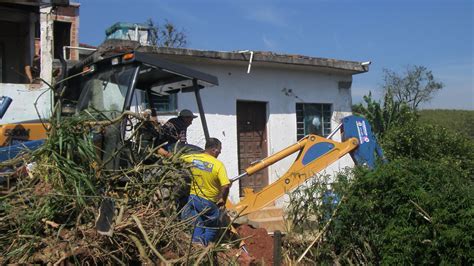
264, 103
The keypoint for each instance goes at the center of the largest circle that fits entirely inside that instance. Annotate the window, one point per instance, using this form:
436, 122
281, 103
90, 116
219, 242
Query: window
62, 37
164, 103
140, 101
104, 93
17, 46
313, 118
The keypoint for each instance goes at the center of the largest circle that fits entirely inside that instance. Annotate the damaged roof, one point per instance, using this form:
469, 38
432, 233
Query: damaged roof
351, 67
40, 2
269, 57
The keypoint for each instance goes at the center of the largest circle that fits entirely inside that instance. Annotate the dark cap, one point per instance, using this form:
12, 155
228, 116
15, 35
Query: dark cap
186, 113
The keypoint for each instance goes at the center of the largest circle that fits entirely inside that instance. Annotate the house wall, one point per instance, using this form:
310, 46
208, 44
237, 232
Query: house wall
22, 107
26, 95
263, 84
46, 41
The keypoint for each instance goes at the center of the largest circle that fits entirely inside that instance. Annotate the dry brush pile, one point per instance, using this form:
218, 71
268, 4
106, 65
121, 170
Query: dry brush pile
49, 215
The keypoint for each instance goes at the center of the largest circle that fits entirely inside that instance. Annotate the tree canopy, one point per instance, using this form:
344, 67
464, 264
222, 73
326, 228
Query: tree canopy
167, 34
417, 85
402, 95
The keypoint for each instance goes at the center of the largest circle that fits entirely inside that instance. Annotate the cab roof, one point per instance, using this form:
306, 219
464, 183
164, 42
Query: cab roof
160, 72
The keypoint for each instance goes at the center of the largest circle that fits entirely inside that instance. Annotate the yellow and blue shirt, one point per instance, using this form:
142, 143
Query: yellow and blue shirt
209, 175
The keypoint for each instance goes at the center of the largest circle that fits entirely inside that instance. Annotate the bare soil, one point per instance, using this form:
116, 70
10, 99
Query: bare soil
258, 243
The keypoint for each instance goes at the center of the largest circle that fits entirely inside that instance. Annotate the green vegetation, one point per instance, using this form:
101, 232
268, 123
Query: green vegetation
408, 211
416, 209
386, 115
457, 120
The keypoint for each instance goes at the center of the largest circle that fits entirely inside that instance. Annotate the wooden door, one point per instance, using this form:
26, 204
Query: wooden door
252, 140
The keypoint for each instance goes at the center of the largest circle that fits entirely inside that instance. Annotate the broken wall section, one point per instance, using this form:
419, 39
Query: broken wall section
34, 35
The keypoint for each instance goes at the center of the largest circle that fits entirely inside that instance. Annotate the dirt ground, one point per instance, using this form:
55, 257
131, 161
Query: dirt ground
258, 243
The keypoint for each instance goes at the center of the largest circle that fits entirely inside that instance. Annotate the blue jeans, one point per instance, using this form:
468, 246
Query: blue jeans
206, 215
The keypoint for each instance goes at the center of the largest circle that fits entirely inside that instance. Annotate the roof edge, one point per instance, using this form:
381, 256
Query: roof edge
244, 56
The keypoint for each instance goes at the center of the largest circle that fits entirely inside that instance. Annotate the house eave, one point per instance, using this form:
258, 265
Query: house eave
243, 57
269, 58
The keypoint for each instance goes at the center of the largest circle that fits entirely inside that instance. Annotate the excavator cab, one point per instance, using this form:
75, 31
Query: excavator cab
103, 88
106, 89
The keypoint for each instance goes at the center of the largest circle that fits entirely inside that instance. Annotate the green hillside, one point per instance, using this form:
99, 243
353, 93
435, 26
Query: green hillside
459, 120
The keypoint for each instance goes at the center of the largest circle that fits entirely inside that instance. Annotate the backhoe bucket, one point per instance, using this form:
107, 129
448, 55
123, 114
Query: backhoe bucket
359, 128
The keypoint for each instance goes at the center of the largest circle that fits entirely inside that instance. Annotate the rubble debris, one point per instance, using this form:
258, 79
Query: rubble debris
51, 214
258, 244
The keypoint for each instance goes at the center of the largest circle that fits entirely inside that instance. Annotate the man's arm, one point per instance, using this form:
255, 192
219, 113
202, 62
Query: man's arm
225, 186
223, 195
164, 152
28, 73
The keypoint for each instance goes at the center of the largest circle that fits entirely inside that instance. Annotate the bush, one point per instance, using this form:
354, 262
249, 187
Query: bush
461, 121
430, 142
311, 205
385, 115
417, 209
408, 211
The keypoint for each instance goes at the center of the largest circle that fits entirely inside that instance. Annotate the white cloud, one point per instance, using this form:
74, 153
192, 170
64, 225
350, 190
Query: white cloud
182, 14
269, 44
268, 15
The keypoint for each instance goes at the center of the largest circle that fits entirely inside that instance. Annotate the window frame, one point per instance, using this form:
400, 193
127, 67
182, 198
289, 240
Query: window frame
301, 112
172, 102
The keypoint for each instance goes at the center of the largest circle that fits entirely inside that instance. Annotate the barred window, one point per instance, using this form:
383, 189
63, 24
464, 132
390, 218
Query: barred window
164, 103
313, 118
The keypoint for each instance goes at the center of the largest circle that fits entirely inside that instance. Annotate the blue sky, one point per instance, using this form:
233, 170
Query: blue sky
391, 33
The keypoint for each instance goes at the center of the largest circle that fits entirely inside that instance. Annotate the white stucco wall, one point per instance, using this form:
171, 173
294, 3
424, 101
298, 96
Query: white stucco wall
24, 97
263, 84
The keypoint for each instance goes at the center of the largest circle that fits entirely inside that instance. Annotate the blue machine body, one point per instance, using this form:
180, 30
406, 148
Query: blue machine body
10, 152
5, 102
359, 128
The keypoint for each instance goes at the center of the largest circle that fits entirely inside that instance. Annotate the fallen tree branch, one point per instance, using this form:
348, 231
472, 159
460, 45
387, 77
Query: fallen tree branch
203, 253
116, 120
50, 223
321, 232
147, 240
141, 250
422, 212
73, 252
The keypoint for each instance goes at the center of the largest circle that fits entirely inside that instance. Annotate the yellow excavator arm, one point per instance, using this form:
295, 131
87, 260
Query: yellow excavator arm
315, 154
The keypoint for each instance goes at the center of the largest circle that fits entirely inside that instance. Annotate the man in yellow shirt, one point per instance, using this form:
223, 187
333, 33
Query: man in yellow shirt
209, 190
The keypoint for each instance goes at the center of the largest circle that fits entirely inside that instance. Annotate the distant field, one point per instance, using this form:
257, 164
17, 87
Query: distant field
458, 120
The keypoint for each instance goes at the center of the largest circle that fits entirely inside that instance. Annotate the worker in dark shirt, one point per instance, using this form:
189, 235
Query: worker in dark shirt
33, 68
176, 128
